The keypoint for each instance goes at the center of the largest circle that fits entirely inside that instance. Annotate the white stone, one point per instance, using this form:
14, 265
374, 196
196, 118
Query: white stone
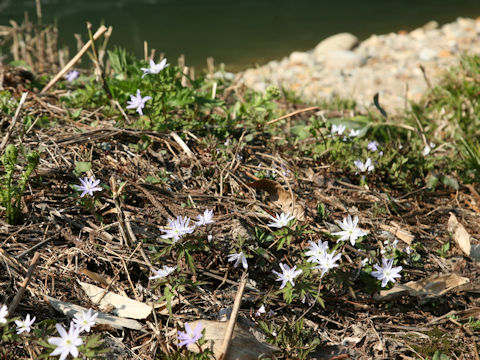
427, 54
431, 25
300, 57
342, 41
343, 59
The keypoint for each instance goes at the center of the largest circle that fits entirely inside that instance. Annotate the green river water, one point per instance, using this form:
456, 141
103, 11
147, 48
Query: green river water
239, 33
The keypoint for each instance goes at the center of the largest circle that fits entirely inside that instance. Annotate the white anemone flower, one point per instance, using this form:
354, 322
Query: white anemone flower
350, 231
67, 343
364, 166
154, 68
240, 257
164, 272
281, 220
288, 274
386, 272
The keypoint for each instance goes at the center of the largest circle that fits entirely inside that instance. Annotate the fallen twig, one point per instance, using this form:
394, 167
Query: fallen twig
233, 317
23, 285
292, 114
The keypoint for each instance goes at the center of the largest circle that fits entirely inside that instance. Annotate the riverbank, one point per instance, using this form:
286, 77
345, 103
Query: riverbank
400, 66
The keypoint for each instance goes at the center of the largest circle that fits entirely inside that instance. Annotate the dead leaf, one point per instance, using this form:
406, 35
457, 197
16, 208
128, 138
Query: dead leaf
95, 277
280, 197
468, 313
429, 287
400, 233
460, 235
123, 306
243, 346
116, 322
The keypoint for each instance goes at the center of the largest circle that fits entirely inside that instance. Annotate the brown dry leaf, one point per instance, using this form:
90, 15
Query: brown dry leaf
472, 312
116, 322
431, 286
243, 346
123, 306
95, 277
400, 233
460, 235
280, 197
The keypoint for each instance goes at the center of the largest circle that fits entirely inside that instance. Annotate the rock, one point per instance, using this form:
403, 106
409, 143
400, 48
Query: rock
300, 57
343, 59
387, 63
342, 41
431, 25
428, 54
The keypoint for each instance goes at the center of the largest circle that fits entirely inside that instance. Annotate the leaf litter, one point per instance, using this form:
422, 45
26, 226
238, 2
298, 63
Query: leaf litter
397, 323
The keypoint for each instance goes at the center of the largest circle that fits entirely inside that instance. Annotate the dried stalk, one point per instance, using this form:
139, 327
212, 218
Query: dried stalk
233, 317
74, 60
24, 284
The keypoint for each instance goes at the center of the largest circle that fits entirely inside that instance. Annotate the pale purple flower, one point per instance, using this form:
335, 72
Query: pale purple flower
309, 299
288, 274
240, 257
3, 314
364, 167
67, 343
281, 220
178, 228
190, 336
72, 75
408, 250
154, 68
338, 129
161, 273
89, 185
386, 273
205, 219
350, 231
210, 238
372, 146
327, 262
24, 325
138, 102
316, 251
85, 320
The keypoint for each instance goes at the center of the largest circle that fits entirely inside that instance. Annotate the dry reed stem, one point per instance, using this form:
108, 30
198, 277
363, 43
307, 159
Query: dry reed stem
74, 60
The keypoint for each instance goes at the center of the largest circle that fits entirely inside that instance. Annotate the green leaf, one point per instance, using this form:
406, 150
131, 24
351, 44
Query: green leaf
82, 167
432, 182
450, 182
302, 131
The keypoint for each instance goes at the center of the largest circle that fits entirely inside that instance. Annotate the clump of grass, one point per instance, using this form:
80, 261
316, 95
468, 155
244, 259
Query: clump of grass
10, 192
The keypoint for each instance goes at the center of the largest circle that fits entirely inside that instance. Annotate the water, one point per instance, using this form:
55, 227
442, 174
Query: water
239, 33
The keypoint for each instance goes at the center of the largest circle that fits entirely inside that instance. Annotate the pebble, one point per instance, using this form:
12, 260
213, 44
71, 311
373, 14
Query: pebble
389, 64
